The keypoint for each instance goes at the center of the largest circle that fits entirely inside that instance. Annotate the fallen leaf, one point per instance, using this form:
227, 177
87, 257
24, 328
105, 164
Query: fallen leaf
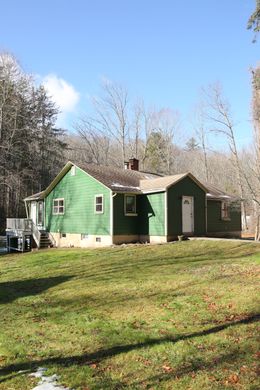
167, 368
257, 355
233, 378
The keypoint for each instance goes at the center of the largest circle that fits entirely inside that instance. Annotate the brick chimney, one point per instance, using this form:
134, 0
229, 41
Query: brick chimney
134, 164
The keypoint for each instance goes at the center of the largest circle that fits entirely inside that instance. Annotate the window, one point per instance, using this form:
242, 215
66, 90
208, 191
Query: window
130, 205
84, 236
63, 235
58, 206
73, 170
99, 209
225, 210
98, 239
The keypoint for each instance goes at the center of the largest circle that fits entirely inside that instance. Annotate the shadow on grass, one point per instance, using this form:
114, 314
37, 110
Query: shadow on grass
10, 291
141, 267
194, 367
98, 356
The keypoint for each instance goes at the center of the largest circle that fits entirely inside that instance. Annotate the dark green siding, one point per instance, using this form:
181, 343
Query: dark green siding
79, 193
216, 224
150, 217
186, 187
152, 214
124, 224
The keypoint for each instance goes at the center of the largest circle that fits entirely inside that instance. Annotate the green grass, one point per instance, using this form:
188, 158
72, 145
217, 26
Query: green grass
174, 316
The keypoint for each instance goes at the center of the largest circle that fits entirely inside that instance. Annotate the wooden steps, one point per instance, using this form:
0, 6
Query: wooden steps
45, 242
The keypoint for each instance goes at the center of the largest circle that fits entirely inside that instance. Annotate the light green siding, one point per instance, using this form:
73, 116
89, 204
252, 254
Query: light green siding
186, 187
79, 194
152, 214
216, 224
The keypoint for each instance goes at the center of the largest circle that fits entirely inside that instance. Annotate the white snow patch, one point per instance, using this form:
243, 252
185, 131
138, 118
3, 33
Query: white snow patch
120, 185
220, 196
47, 382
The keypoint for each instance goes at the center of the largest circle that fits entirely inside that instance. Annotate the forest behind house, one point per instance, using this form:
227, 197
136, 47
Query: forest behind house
33, 149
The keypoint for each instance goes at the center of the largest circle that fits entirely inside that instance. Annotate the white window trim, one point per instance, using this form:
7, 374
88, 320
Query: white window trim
223, 218
73, 170
95, 204
130, 214
58, 213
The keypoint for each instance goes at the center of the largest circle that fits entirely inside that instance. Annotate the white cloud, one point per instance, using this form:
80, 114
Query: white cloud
62, 93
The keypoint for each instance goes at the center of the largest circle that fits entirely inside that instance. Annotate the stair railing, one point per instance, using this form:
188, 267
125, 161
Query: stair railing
36, 234
51, 238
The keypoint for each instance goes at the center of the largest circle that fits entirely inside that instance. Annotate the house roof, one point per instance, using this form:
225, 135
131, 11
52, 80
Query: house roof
37, 196
162, 183
130, 181
118, 180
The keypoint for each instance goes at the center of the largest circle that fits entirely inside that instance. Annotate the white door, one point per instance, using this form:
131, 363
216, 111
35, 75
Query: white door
33, 212
40, 213
187, 214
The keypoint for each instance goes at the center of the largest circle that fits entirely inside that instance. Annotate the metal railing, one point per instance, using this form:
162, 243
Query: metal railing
24, 224
2, 241
36, 234
51, 238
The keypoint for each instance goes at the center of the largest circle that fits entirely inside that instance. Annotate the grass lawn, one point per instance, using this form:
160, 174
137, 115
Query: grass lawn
173, 316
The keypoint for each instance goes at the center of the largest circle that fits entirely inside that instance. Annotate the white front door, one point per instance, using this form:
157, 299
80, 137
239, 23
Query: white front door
33, 212
187, 214
40, 213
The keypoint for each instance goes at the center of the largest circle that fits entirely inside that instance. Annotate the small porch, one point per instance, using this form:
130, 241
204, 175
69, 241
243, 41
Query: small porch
22, 234
34, 206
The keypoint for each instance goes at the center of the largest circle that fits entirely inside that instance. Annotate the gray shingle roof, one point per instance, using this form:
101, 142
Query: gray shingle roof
118, 180
38, 196
130, 181
215, 193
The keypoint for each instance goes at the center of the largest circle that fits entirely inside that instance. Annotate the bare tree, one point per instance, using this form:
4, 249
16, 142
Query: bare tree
110, 115
95, 145
219, 113
199, 126
161, 126
252, 166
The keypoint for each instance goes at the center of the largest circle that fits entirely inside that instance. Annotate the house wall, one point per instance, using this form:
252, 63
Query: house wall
147, 225
124, 224
219, 227
186, 187
152, 214
79, 194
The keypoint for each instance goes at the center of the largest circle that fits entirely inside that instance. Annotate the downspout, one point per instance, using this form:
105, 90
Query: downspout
166, 213
206, 214
112, 215
26, 209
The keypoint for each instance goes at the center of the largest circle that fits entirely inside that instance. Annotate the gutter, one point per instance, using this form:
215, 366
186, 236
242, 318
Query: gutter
166, 213
112, 214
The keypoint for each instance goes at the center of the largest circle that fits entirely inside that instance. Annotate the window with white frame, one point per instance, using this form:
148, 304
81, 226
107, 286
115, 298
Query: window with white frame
58, 206
99, 206
84, 236
225, 210
130, 205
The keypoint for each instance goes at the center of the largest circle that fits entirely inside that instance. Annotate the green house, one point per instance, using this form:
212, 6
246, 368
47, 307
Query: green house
99, 205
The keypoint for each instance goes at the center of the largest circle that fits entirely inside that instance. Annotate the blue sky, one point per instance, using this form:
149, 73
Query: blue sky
163, 51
